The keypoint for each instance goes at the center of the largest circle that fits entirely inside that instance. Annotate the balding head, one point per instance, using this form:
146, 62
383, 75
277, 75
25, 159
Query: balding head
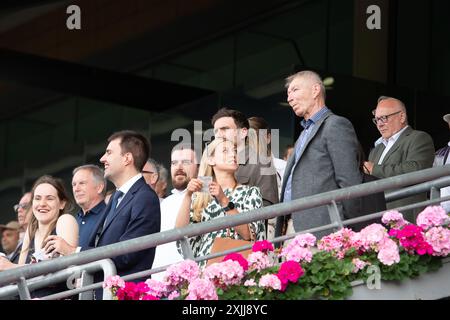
390, 116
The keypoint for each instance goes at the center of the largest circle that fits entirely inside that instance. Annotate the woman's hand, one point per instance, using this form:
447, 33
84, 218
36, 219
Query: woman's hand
216, 191
55, 244
195, 185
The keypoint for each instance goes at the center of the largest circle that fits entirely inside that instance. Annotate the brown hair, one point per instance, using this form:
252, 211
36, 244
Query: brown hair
63, 195
239, 118
263, 146
134, 143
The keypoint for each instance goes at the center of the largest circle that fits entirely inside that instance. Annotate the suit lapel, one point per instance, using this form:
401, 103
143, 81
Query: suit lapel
128, 197
397, 143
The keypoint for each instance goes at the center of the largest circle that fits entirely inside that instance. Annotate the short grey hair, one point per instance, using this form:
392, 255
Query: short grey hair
314, 76
398, 101
97, 173
154, 164
163, 173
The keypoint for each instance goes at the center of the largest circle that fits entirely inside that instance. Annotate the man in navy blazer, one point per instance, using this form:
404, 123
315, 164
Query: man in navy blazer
137, 211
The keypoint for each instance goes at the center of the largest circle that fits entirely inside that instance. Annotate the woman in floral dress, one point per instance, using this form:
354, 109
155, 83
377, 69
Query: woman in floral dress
225, 197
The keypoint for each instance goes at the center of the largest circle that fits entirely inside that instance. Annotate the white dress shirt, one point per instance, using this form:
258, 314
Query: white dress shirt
127, 186
167, 253
388, 143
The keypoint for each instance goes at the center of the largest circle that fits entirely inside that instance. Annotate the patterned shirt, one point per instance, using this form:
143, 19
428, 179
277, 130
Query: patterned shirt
245, 198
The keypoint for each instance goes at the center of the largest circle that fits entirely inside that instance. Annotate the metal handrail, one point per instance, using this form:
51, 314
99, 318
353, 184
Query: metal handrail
145, 242
146, 273
419, 188
106, 265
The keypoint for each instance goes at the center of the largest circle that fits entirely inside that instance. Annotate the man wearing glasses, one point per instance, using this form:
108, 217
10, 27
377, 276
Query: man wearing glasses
183, 167
23, 213
150, 173
400, 149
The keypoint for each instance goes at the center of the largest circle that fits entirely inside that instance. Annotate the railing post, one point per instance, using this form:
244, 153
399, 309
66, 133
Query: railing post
434, 193
24, 293
86, 279
186, 249
334, 215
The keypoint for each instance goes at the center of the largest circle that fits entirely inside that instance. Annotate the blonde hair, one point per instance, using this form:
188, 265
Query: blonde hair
201, 199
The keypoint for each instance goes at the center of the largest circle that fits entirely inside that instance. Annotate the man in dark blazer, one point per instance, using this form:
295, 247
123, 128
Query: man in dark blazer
400, 149
324, 158
137, 211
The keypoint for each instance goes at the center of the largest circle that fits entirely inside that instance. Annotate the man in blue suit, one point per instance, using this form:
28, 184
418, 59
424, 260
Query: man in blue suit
134, 207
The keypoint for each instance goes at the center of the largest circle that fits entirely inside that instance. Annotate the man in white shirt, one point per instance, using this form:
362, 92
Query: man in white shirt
400, 149
184, 167
441, 158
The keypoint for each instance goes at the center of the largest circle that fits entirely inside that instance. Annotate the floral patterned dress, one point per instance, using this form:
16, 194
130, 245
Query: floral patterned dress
245, 198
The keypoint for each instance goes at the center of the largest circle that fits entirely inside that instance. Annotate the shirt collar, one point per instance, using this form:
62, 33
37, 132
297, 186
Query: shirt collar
315, 118
393, 138
98, 208
176, 191
127, 185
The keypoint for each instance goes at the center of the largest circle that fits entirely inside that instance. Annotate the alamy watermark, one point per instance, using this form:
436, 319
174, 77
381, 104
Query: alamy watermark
73, 21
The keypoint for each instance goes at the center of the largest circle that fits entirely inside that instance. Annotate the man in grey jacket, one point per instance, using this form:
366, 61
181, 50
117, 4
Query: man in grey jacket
324, 157
400, 149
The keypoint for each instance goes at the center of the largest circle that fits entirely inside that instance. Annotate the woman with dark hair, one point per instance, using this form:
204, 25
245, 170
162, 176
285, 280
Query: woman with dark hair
50, 206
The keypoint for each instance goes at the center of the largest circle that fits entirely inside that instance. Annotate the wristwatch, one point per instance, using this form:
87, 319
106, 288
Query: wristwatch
230, 206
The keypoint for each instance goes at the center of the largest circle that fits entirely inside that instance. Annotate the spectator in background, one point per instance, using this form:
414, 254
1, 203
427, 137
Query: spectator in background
442, 158
263, 145
288, 151
134, 207
324, 158
24, 212
88, 186
399, 150
161, 185
183, 167
11, 245
233, 125
51, 206
150, 173
225, 197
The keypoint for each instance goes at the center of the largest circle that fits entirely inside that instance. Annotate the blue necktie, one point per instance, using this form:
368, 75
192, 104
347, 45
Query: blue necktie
113, 207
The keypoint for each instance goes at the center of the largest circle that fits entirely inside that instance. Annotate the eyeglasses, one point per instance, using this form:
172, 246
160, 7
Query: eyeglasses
183, 162
24, 206
383, 119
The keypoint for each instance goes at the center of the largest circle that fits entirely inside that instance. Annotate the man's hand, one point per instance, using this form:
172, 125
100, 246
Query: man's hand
55, 244
5, 264
368, 167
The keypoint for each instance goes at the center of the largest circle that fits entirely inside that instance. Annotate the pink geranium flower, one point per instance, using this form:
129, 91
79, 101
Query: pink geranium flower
239, 258
263, 246
270, 281
259, 261
432, 216
388, 253
394, 219
439, 239
202, 289
411, 238
290, 271
224, 274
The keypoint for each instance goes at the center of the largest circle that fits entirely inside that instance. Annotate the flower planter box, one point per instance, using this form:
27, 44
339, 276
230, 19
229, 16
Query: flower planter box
429, 286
